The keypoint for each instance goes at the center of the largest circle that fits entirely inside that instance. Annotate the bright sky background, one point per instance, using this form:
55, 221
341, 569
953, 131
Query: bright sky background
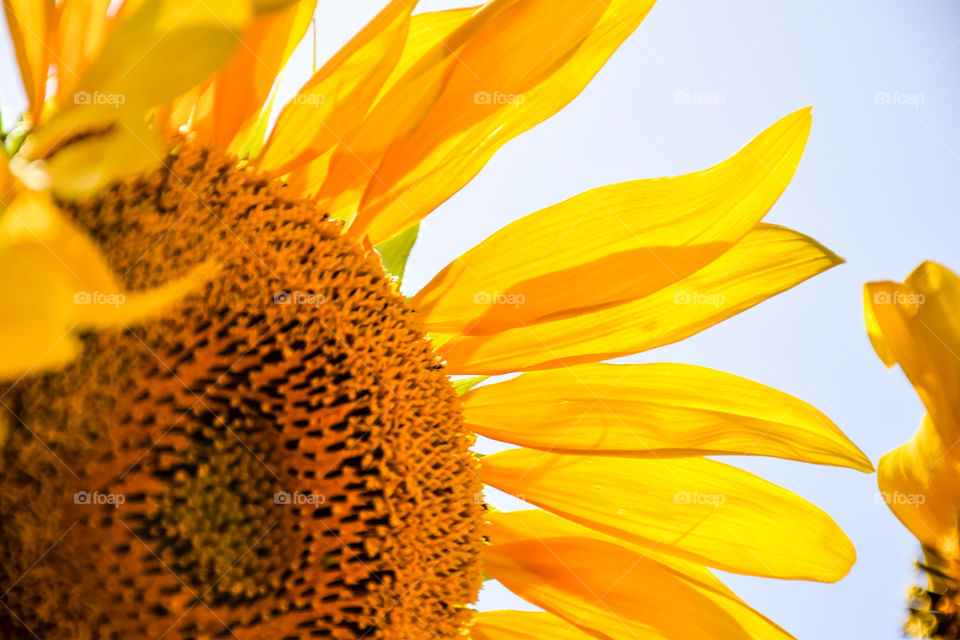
878, 185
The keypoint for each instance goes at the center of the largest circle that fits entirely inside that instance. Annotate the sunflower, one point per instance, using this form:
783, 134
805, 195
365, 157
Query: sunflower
915, 324
250, 433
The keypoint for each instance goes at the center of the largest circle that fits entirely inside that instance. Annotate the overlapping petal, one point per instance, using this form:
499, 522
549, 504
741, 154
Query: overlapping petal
156, 51
545, 528
82, 27
426, 31
655, 410
613, 244
767, 261
916, 324
62, 285
697, 509
337, 97
500, 73
920, 482
523, 625
241, 86
30, 23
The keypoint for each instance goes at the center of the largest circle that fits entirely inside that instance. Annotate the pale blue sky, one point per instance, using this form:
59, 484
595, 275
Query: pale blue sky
877, 185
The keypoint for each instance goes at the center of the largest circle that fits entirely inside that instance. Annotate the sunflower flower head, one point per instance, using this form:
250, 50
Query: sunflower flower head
242, 429
915, 324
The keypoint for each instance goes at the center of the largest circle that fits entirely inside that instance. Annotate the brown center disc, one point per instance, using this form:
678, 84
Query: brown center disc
278, 456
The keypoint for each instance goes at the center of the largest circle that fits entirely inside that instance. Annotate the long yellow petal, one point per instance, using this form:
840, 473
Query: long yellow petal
920, 330
30, 23
613, 244
242, 85
82, 28
920, 482
337, 97
607, 589
655, 410
536, 524
504, 71
523, 625
767, 261
693, 508
426, 31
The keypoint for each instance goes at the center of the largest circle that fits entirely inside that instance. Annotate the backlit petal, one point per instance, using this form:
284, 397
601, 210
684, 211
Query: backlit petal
242, 85
608, 589
501, 73
658, 410
523, 625
615, 243
30, 23
920, 330
767, 261
425, 32
82, 28
920, 482
693, 508
536, 524
337, 97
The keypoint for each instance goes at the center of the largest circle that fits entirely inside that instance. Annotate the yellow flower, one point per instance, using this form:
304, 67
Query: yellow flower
282, 453
916, 325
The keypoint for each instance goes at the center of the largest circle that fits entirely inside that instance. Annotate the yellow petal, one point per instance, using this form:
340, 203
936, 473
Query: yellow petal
337, 97
692, 508
874, 332
441, 128
920, 482
615, 243
90, 163
655, 410
609, 590
523, 625
920, 329
767, 261
82, 28
30, 23
536, 524
62, 285
163, 48
241, 86
154, 53
425, 32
